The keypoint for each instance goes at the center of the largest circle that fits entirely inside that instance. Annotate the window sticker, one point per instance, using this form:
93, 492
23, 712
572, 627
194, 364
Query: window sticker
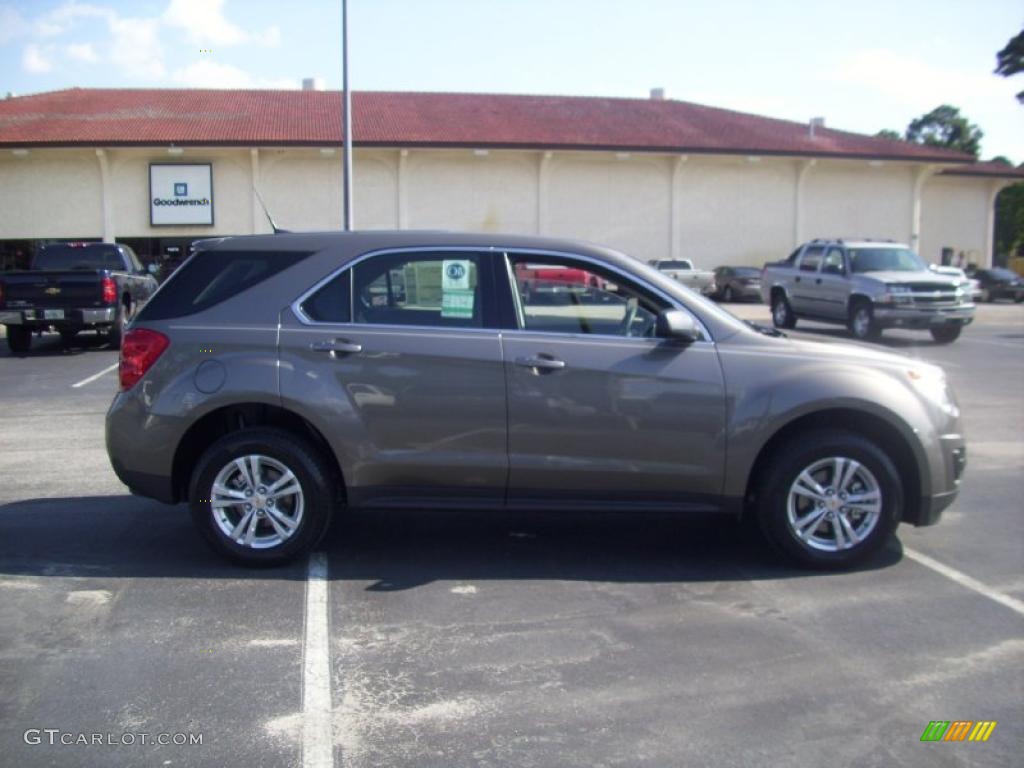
457, 303
455, 275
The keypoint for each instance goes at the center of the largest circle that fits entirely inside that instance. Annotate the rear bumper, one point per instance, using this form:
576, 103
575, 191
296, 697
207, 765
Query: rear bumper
37, 317
920, 317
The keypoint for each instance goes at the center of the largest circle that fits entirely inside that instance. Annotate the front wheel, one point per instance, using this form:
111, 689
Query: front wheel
727, 295
945, 334
19, 340
862, 323
830, 499
262, 496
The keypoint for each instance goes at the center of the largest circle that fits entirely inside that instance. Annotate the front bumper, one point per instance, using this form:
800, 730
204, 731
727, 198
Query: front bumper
46, 316
945, 478
887, 316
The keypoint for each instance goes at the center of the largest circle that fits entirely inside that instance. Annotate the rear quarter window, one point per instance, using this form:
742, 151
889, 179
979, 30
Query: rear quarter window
210, 277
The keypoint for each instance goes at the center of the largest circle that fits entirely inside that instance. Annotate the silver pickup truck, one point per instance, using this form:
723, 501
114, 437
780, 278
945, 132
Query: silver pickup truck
699, 280
867, 285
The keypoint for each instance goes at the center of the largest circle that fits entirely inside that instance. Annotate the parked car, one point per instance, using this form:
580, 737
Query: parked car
999, 283
867, 285
265, 386
556, 284
968, 285
71, 287
699, 280
735, 284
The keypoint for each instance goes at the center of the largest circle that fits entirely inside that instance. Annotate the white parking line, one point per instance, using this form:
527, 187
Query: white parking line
317, 742
95, 376
965, 581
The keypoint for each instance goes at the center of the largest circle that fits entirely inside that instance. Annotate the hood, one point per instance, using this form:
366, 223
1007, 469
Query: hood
928, 278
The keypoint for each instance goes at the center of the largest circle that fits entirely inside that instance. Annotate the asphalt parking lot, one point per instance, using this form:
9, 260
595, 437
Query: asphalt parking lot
453, 639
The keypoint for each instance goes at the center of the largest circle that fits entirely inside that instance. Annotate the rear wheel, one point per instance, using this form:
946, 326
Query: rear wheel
19, 340
117, 329
830, 499
67, 336
727, 294
782, 313
262, 496
862, 322
944, 334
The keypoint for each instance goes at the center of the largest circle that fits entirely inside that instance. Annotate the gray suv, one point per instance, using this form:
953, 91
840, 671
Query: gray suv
276, 380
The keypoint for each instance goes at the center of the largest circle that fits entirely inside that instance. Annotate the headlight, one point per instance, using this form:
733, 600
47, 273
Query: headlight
897, 294
930, 382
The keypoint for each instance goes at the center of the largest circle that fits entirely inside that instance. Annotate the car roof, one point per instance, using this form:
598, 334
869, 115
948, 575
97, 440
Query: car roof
862, 243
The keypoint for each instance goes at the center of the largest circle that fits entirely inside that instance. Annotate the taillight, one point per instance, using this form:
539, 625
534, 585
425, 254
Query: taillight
1, 291
140, 348
109, 291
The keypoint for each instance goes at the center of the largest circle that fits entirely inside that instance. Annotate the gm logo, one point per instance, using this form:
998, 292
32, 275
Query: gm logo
959, 730
180, 189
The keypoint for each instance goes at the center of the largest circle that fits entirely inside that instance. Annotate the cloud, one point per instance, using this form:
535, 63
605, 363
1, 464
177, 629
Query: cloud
34, 60
82, 52
12, 23
60, 20
910, 80
204, 23
208, 73
136, 47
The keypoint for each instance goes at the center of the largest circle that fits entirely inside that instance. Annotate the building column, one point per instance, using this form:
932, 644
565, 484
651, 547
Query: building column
921, 175
802, 170
401, 193
543, 173
675, 225
257, 209
107, 195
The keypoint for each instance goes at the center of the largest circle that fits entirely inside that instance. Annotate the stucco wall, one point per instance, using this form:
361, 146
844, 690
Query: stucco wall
721, 209
953, 212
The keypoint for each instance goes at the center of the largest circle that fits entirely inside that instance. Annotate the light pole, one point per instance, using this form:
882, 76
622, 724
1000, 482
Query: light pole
346, 100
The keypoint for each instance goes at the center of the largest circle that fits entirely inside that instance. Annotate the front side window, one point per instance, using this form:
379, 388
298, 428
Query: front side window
560, 295
431, 289
833, 264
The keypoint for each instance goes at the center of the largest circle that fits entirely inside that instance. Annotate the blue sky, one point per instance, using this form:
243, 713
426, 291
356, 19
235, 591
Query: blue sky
862, 65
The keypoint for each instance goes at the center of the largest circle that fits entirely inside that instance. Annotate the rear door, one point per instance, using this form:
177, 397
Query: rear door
803, 296
397, 359
833, 284
600, 411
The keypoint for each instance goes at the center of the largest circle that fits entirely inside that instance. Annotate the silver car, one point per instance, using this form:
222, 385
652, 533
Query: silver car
275, 381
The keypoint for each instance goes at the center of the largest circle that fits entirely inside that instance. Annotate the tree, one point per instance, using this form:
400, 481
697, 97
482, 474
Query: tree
1010, 60
1010, 221
887, 133
945, 127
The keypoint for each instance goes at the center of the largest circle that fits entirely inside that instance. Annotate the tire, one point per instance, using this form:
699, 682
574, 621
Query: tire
19, 340
986, 296
946, 334
782, 313
117, 329
67, 337
783, 512
727, 295
283, 527
862, 323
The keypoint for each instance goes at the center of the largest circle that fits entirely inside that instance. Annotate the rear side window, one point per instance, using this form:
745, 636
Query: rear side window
210, 277
333, 302
811, 259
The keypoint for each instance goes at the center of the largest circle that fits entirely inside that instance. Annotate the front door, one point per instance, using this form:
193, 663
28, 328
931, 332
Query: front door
600, 410
398, 360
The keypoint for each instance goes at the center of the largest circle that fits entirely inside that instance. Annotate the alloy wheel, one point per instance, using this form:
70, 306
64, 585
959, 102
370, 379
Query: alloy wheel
834, 504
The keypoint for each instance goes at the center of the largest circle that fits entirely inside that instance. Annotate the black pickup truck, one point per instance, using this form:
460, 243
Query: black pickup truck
71, 287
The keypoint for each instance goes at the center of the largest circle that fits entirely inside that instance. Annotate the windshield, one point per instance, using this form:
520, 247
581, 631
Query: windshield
885, 260
674, 264
747, 271
78, 257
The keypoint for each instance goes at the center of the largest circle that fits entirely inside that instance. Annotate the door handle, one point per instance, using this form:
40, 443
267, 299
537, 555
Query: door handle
796, 279
336, 347
541, 363
818, 281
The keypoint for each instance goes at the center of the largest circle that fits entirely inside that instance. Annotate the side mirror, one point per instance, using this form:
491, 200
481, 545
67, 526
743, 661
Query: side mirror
678, 325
